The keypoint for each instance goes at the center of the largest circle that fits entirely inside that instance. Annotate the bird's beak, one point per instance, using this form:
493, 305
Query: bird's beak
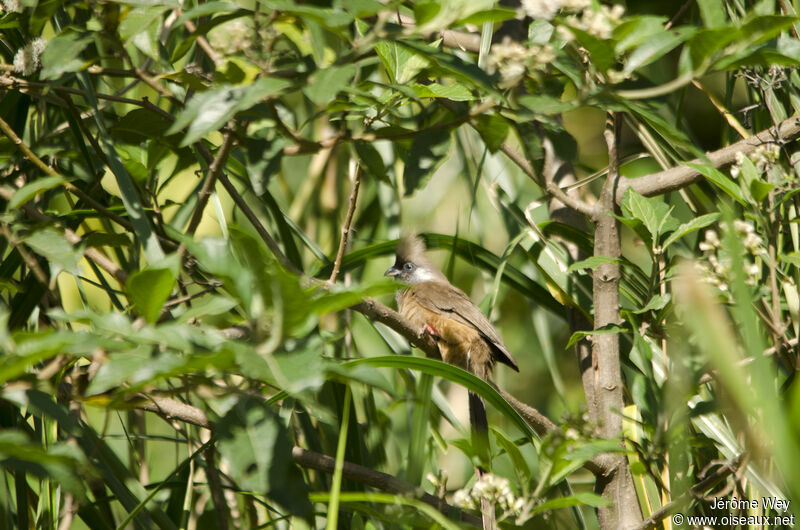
392, 272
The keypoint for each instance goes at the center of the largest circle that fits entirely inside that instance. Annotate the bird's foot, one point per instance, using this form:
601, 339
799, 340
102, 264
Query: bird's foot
427, 329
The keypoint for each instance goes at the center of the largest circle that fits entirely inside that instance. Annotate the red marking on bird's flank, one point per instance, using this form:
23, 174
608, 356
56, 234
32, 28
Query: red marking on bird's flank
427, 328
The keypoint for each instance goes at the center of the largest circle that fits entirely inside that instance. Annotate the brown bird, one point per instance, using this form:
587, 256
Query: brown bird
464, 335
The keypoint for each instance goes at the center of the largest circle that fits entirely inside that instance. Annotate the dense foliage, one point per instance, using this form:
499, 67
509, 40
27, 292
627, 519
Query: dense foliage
197, 196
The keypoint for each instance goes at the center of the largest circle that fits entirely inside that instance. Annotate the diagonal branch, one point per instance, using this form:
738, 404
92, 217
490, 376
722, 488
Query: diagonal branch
172, 409
679, 177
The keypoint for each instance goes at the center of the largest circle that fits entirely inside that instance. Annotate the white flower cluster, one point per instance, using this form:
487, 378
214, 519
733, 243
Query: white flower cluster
12, 6
493, 488
717, 265
28, 58
599, 23
512, 59
764, 158
547, 9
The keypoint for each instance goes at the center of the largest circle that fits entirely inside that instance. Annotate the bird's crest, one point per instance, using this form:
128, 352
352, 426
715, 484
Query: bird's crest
411, 248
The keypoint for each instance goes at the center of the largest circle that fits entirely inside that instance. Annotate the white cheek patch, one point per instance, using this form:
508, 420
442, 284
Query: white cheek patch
423, 275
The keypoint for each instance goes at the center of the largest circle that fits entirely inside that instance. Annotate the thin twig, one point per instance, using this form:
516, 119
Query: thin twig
38, 162
13, 82
576, 204
203, 43
251, 216
211, 179
103, 261
215, 485
27, 257
351, 208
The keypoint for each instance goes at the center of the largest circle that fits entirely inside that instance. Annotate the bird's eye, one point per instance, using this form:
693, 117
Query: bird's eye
409, 266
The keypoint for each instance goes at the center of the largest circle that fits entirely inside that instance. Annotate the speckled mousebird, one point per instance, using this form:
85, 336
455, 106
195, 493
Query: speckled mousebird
464, 335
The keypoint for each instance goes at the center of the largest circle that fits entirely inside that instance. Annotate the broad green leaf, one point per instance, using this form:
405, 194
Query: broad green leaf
607, 330
427, 153
451, 373
454, 66
455, 92
424, 12
636, 30
521, 468
760, 189
493, 129
254, 440
721, 180
34, 188
656, 303
498, 14
601, 51
547, 105
401, 64
686, 228
654, 48
326, 83
585, 498
371, 159
653, 212
332, 19
149, 288
63, 54
792, 258
713, 13
51, 244
210, 110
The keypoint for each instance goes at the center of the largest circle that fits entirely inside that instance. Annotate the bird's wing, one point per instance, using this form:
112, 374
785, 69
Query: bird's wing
450, 301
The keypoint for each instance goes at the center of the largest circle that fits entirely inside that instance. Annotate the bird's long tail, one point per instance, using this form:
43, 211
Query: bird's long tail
480, 443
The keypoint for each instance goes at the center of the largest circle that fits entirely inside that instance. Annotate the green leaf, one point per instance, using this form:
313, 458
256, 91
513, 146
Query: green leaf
760, 189
521, 468
51, 244
611, 329
493, 129
653, 212
592, 263
426, 11
401, 63
547, 105
498, 14
453, 65
371, 159
721, 180
149, 288
254, 440
210, 110
655, 48
792, 258
713, 13
427, 153
686, 228
32, 189
656, 303
451, 373
326, 83
601, 51
454, 92
578, 499
63, 53
636, 30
